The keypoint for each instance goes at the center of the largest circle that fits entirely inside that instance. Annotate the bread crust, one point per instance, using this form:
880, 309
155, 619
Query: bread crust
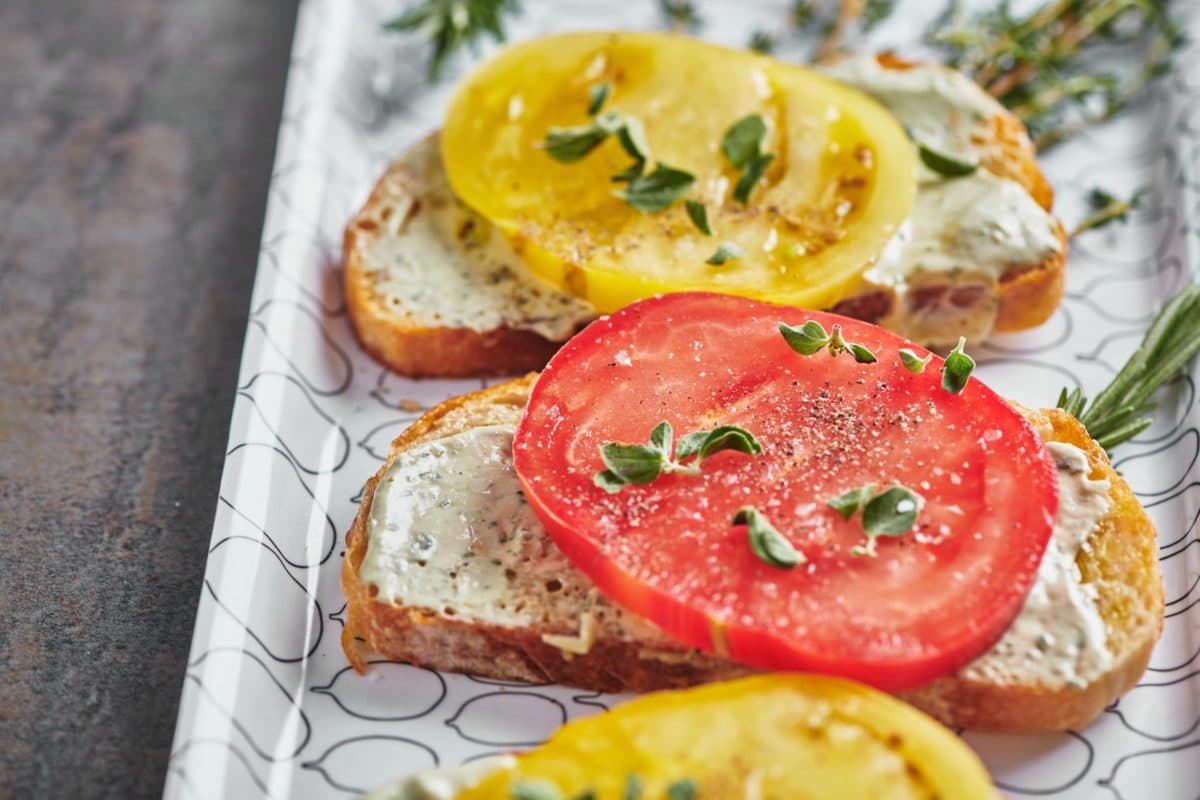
1121, 559
399, 343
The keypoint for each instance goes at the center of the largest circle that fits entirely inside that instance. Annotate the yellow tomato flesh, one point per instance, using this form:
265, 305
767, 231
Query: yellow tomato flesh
769, 736
840, 184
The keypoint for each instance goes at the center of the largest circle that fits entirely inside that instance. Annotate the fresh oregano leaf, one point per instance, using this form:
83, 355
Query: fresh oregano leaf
598, 94
913, 362
608, 480
726, 251
661, 439
698, 214
632, 463
723, 437
571, 144
683, 789
751, 175
658, 190
632, 136
892, 512
957, 368
807, 339
839, 345
766, 542
744, 139
944, 163
850, 503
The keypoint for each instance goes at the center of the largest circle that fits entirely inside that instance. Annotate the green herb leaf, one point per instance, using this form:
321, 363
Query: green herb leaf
723, 437
808, 339
744, 139
640, 464
1116, 414
632, 463
850, 503
913, 362
1107, 208
683, 789
632, 136
753, 173
658, 190
586, 794
698, 214
944, 163
957, 368
838, 345
891, 512
598, 94
726, 251
535, 789
452, 23
661, 439
762, 42
766, 542
681, 14
609, 481
633, 786
571, 144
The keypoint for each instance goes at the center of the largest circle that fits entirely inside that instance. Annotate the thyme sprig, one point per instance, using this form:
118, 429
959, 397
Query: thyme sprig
1047, 66
1118, 413
1107, 207
450, 24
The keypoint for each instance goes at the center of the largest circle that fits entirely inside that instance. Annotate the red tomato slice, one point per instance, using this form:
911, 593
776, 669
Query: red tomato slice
930, 602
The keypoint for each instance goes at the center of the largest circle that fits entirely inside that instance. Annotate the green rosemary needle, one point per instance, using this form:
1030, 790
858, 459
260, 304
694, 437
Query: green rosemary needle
1118, 413
452, 23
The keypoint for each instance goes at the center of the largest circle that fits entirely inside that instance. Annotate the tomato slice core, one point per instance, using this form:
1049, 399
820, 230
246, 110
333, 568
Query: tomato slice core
930, 601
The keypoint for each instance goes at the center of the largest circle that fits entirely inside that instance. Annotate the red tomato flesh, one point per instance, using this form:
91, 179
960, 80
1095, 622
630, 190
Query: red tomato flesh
929, 603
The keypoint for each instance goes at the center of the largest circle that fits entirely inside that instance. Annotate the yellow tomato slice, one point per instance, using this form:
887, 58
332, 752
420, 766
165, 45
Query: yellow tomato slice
841, 182
769, 736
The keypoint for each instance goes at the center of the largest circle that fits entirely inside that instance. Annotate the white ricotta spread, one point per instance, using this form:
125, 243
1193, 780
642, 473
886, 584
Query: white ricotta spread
449, 528
444, 783
963, 233
441, 264
937, 106
1058, 639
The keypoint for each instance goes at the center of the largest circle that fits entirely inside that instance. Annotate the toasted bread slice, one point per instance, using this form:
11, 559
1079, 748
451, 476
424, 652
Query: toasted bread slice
432, 289
567, 632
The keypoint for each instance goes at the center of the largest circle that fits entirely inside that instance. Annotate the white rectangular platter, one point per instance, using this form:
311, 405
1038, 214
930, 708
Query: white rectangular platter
270, 707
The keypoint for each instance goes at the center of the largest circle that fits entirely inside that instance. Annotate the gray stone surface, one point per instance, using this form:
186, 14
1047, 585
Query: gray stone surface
136, 139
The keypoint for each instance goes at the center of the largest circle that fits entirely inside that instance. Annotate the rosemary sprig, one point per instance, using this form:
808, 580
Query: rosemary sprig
451, 23
1048, 66
1107, 207
1117, 413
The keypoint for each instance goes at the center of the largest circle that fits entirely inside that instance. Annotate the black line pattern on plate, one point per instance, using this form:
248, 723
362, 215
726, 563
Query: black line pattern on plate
342, 782
478, 717
314, 608
247, 391
293, 707
380, 672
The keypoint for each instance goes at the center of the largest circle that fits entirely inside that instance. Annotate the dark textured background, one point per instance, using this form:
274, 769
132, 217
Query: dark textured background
136, 139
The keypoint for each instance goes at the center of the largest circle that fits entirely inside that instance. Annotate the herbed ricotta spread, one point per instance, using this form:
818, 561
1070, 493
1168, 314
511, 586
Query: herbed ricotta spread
442, 265
450, 530
1058, 639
